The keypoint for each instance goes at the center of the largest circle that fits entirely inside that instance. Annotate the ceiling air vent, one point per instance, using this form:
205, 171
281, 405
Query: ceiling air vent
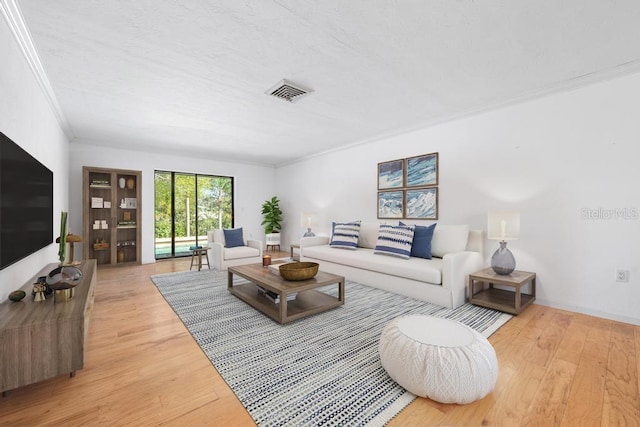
288, 91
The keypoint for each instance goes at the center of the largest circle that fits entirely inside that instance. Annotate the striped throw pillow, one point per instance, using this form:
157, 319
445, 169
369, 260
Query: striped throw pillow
345, 235
395, 240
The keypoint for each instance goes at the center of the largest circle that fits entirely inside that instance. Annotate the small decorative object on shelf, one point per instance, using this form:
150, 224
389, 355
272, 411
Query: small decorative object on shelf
131, 183
121, 182
71, 239
16, 296
63, 280
62, 249
100, 244
38, 291
266, 260
100, 183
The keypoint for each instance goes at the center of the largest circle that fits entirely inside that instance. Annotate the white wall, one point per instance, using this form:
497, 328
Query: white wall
26, 118
252, 185
549, 159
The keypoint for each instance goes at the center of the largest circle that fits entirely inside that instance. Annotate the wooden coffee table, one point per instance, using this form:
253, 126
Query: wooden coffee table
308, 300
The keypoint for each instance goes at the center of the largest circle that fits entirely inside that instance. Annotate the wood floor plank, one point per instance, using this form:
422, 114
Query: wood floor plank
573, 342
518, 396
142, 367
549, 340
621, 400
637, 335
549, 404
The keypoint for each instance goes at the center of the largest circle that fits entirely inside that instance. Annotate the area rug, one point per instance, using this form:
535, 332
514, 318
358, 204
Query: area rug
320, 370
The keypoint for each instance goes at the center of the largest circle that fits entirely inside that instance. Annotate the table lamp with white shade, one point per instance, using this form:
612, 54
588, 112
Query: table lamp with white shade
503, 226
307, 219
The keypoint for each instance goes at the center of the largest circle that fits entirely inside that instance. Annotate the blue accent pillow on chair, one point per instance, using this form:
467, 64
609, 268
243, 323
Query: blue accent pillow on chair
233, 237
422, 236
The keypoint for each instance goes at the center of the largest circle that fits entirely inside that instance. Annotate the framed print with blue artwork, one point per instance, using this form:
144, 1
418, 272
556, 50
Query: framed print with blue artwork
391, 174
421, 203
422, 171
390, 204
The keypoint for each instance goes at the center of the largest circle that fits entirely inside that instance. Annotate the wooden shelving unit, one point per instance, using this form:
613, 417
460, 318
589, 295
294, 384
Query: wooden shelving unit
111, 215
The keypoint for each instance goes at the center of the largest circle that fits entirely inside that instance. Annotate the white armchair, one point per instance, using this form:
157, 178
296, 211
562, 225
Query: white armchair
223, 258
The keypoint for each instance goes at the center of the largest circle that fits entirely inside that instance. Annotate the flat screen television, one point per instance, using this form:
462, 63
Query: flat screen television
26, 203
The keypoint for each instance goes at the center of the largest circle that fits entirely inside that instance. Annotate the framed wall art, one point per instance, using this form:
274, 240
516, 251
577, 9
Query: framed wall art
422, 171
390, 204
391, 174
421, 203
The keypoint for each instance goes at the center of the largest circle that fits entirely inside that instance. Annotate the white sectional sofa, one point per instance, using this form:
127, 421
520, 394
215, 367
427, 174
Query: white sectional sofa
442, 280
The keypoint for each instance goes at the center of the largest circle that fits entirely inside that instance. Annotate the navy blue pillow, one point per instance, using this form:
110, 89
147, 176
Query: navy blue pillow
233, 237
422, 236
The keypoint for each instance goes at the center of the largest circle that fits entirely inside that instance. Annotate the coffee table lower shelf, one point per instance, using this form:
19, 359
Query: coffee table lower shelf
305, 304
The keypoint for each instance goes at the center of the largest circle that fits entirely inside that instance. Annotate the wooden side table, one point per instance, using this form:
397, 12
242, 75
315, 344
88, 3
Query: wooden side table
296, 246
500, 299
196, 257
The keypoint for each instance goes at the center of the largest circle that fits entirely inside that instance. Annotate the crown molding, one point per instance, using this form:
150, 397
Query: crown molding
13, 16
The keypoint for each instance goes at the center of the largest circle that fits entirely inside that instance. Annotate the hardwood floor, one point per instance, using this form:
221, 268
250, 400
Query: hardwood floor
142, 367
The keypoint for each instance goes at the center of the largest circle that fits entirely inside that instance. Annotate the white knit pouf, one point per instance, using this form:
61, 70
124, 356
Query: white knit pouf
441, 359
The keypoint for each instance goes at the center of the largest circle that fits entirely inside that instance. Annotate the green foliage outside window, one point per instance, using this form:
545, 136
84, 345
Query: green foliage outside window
211, 200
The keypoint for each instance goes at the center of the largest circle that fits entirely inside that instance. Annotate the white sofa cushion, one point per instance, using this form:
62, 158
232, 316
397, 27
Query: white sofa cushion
449, 238
240, 252
368, 235
420, 269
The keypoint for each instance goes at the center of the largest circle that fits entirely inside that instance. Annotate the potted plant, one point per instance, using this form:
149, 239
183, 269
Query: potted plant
272, 216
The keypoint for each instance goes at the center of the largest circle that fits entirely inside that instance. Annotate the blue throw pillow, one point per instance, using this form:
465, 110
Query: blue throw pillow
233, 237
345, 235
422, 237
394, 240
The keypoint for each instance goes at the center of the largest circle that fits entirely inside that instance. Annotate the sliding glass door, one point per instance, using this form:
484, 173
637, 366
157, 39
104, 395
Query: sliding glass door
186, 207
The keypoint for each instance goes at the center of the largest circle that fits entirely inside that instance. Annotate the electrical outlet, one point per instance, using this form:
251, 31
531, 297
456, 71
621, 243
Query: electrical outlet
622, 275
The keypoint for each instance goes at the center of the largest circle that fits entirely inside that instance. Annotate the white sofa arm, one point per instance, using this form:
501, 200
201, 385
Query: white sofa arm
255, 244
217, 251
456, 268
307, 242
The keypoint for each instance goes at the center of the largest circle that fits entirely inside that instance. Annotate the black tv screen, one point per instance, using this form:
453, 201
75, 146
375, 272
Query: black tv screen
26, 203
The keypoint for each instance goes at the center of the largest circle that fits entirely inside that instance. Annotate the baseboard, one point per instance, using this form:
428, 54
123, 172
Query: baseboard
596, 313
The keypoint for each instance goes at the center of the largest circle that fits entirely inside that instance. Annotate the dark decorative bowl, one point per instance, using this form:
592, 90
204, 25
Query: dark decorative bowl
64, 277
16, 296
299, 270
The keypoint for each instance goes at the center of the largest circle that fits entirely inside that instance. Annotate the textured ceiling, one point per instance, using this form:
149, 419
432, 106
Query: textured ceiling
189, 76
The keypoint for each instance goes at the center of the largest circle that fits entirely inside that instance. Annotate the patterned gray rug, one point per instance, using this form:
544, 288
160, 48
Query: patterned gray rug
321, 370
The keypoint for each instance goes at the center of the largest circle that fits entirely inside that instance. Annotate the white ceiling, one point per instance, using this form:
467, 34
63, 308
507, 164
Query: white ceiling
189, 76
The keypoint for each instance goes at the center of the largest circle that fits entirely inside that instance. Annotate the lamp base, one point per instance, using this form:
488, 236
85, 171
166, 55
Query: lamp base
503, 261
309, 233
